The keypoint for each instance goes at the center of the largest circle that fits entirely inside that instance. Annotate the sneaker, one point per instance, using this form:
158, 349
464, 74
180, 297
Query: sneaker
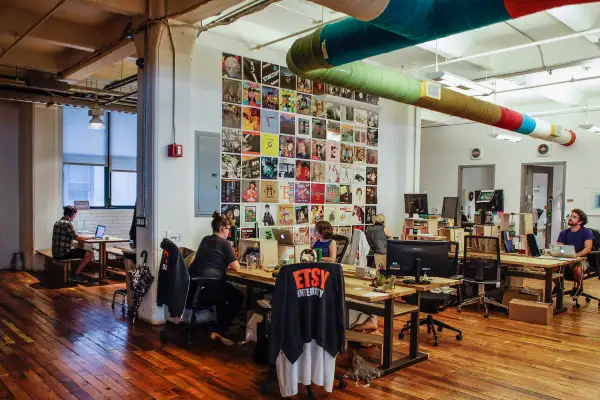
77, 278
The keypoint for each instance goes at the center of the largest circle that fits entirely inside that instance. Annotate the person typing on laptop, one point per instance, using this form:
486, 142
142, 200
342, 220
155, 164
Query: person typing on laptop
578, 236
63, 235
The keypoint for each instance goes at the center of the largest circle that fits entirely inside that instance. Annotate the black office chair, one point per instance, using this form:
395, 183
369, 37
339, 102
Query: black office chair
592, 271
194, 303
482, 271
342, 245
434, 303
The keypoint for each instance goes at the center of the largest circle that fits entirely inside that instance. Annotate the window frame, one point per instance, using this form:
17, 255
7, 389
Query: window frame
107, 173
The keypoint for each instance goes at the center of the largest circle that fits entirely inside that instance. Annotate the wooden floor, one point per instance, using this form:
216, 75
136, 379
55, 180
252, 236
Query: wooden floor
68, 343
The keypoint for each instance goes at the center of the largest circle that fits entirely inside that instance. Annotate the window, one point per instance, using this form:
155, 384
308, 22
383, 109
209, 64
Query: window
99, 165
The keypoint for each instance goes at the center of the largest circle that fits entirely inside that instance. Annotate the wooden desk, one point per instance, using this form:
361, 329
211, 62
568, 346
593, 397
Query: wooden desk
436, 283
359, 289
552, 269
102, 251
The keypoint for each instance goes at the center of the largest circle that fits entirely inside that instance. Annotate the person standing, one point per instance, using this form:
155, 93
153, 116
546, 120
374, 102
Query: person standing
63, 235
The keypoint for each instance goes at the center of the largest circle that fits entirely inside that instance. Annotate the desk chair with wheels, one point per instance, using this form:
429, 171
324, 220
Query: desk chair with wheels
482, 271
341, 242
434, 303
592, 271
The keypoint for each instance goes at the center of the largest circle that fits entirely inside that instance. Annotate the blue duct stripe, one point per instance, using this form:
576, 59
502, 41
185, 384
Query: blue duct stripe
527, 126
407, 23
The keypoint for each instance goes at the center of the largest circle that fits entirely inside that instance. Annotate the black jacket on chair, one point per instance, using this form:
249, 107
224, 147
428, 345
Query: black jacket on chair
308, 304
173, 279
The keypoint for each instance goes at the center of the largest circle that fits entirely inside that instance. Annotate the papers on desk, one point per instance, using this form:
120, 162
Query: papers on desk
556, 258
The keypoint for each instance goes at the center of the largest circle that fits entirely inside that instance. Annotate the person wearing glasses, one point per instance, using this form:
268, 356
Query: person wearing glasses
214, 257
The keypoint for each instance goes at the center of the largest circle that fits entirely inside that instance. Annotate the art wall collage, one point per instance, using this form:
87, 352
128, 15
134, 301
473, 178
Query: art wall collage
289, 160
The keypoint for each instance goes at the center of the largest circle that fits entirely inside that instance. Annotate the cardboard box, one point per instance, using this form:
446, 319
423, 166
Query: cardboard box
530, 311
522, 293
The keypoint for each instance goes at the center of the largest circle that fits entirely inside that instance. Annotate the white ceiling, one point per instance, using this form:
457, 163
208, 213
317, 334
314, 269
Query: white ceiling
289, 16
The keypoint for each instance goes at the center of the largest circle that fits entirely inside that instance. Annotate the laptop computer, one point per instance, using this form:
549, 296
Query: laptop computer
283, 237
100, 230
563, 251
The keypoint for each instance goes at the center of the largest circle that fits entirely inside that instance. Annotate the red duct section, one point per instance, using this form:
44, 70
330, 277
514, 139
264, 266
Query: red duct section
573, 137
519, 8
510, 120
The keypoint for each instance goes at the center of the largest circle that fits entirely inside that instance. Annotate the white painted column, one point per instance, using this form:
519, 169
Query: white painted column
166, 187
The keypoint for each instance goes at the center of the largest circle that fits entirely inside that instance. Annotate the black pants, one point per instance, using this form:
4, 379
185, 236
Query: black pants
227, 300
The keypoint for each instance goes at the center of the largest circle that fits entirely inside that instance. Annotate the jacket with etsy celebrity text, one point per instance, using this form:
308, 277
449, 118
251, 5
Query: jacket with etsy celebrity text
173, 279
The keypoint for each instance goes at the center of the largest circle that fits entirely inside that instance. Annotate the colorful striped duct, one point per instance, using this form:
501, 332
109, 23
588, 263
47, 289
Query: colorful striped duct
331, 54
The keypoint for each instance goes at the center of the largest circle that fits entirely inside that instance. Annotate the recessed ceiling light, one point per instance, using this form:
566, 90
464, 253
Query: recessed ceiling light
459, 84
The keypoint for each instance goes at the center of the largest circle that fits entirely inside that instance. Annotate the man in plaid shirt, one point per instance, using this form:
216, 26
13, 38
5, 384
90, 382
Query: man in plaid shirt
63, 235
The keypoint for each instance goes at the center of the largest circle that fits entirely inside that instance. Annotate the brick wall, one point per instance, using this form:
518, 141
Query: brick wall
117, 221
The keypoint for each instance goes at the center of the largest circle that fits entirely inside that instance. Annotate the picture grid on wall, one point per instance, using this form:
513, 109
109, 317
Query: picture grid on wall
289, 160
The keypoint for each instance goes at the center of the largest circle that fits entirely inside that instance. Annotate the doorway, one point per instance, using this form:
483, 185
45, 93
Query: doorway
470, 179
542, 194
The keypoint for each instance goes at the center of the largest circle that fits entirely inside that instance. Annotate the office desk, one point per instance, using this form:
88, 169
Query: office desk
549, 266
360, 290
103, 257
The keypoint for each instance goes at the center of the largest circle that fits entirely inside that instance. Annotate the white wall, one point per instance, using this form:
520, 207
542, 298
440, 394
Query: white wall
443, 149
9, 182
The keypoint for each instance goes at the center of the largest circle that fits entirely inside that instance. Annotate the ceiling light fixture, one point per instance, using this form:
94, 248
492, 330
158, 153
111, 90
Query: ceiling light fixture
459, 84
506, 137
590, 128
96, 122
347, 102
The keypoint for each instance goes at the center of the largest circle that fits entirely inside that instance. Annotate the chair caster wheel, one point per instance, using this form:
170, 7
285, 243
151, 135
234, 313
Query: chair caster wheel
264, 388
577, 305
342, 384
401, 336
435, 343
486, 315
459, 337
587, 300
440, 328
163, 337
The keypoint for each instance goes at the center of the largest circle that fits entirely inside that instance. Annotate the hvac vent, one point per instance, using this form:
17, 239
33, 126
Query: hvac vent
433, 90
476, 153
543, 150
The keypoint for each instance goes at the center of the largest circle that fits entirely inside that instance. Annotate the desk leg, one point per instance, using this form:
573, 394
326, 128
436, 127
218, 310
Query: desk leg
388, 333
560, 308
414, 329
102, 256
548, 287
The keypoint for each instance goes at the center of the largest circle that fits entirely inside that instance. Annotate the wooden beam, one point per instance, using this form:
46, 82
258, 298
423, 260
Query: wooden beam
59, 100
199, 9
24, 58
124, 7
78, 68
61, 33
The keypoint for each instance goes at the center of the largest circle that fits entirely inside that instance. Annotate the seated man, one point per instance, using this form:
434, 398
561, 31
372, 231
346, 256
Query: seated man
578, 236
63, 235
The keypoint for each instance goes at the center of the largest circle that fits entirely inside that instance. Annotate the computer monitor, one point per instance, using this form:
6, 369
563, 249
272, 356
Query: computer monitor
450, 208
416, 257
415, 204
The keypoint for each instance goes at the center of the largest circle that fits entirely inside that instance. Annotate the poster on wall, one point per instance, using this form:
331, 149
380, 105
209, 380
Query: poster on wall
304, 85
285, 214
303, 193
267, 213
370, 212
317, 213
333, 90
372, 119
303, 171
251, 70
231, 66
331, 214
360, 135
287, 169
303, 148
372, 157
247, 233
251, 95
304, 104
319, 129
346, 153
231, 212
269, 121
250, 191
251, 167
318, 150
347, 93
287, 193
232, 91
251, 143
334, 111
288, 101
345, 194
231, 141
319, 109
231, 116
360, 174
358, 195
347, 114
346, 174
303, 126
360, 116
372, 176
345, 215
317, 172
230, 191
268, 167
231, 166
319, 88
332, 194
373, 137
333, 131
251, 117
360, 155
270, 74
269, 192
301, 235
332, 152
287, 79
359, 215
250, 213
333, 173
317, 193
270, 98
287, 124
269, 145
371, 194
302, 215
287, 146
347, 133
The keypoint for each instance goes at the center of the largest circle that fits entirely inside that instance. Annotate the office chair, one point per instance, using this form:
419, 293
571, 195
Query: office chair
592, 271
434, 303
482, 271
195, 304
342, 243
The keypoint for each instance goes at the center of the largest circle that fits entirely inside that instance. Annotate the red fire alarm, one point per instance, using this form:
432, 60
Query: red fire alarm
175, 150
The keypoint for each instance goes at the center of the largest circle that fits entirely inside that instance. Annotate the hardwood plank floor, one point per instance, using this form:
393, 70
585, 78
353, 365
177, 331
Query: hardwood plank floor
67, 343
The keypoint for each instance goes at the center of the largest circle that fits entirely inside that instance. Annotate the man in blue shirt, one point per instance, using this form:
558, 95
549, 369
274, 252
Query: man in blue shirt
580, 237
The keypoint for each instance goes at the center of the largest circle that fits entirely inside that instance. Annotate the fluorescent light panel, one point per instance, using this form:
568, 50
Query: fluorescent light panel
590, 128
459, 84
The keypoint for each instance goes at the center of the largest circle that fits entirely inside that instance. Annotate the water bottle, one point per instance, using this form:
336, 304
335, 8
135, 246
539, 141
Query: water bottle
319, 255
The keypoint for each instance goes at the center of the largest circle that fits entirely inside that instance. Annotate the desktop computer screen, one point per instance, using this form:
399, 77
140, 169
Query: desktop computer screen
416, 257
415, 204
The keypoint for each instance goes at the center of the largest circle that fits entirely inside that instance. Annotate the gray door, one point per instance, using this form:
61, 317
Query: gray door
208, 168
537, 199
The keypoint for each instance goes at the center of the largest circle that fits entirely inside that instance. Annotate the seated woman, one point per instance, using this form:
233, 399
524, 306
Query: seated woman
378, 234
214, 256
325, 242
